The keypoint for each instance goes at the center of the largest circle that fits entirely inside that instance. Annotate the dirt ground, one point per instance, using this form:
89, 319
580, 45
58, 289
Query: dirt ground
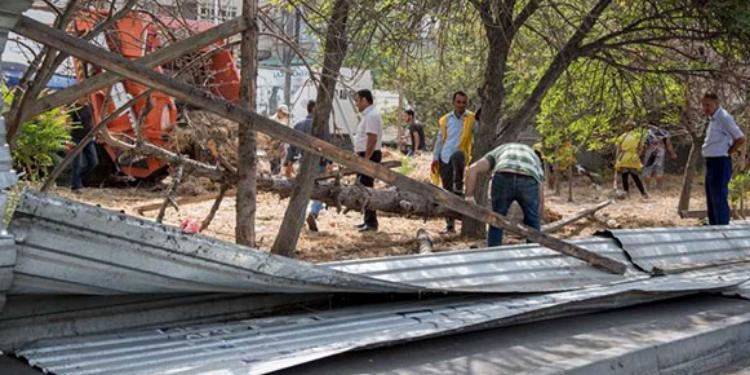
339, 240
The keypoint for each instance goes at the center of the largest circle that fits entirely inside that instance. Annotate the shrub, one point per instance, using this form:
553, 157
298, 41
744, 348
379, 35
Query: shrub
39, 140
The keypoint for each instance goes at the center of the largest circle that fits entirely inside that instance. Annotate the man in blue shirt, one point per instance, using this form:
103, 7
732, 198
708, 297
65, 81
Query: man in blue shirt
293, 154
453, 147
723, 138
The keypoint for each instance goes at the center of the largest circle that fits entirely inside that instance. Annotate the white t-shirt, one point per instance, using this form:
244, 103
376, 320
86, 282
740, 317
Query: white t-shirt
371, 123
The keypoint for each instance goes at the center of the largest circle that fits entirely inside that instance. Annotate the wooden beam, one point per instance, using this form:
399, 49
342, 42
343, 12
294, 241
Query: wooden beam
557, 225
159, 57
701, 214
200, 98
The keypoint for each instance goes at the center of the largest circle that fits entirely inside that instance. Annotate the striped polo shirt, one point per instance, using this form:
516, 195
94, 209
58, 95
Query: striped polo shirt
516, 158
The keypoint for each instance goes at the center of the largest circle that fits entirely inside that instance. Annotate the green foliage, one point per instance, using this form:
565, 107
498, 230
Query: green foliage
589, 105
407, 166
739, 189
39, 139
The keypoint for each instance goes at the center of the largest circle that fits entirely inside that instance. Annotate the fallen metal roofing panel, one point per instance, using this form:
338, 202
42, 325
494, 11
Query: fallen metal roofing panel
72, 248
10, 12
521, 268
664, 250
30, 318
268, 344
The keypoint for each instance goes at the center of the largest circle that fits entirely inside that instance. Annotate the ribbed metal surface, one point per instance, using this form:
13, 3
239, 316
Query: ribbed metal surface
263, 345
10, 11
30, 318
676, 249
72, 248
523, 268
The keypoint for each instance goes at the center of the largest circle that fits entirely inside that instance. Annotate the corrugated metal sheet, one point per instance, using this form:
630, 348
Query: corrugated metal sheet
664, 250
523, 268
30, 318
10, 11
72, 248
263, 345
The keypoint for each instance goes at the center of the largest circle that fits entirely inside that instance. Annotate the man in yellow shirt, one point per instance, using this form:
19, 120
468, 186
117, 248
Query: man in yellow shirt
630, 147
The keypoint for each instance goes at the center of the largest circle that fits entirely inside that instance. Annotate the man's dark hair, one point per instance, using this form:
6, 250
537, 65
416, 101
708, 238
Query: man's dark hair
409, 112
365, 93
712, 96
310, 106
461, 93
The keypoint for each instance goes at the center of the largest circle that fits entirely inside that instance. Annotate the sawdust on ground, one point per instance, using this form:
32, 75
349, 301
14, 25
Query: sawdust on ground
339, 240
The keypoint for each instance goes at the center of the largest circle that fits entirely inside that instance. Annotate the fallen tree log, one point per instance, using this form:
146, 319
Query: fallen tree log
557, 225
358, 197
349, 172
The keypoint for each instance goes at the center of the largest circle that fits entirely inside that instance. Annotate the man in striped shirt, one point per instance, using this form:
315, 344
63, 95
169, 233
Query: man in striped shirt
517, 175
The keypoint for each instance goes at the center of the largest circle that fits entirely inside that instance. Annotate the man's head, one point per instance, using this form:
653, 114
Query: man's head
363, 99
630, 125
310, 106
408, 116
282, 111
710, 103
460, 100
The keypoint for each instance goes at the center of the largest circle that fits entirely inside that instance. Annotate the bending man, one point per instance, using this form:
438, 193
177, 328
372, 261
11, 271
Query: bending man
517, 175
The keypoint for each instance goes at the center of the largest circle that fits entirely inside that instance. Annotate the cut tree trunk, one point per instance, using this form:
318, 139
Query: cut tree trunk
246, 155
570, 184
424, 241
335, 51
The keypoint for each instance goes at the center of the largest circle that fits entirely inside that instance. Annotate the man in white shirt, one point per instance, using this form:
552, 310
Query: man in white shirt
368, 141
723, 138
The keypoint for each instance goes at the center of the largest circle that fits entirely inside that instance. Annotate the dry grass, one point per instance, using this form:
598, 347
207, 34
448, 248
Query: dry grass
338, 239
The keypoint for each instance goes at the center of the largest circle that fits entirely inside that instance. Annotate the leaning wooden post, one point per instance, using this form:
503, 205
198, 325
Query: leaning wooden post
201, 98
246, 158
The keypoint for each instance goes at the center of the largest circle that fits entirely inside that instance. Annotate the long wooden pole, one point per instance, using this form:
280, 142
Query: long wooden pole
200, 98
247, 166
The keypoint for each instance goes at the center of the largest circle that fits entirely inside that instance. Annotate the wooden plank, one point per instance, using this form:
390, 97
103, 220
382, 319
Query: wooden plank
141, 210
557, 225
159, 57
200, 98
702, 214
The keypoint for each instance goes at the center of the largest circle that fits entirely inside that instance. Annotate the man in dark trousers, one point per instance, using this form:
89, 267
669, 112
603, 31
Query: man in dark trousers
368, 141
293, 154
452, 151
723, 138
86, 160
416, 133
517, 175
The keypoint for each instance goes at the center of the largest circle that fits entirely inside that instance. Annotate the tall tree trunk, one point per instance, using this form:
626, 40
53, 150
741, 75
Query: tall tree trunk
492, 95
691, 167
246, 164
335, 50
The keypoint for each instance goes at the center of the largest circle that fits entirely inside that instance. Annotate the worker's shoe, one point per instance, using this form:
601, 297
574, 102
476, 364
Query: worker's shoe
368, 228
360, 226
312, 223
